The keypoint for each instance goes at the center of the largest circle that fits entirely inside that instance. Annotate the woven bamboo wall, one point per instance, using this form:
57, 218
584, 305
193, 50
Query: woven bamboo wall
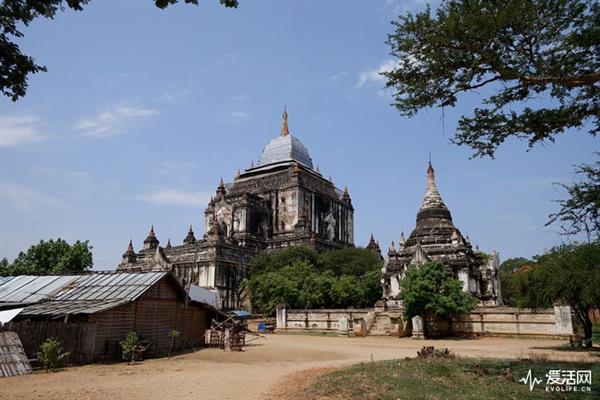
152, 316
77, 337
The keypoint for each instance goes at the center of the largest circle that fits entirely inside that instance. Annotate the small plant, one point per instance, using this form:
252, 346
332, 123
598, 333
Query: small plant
129, 346
51, 354
173, 333
430, 352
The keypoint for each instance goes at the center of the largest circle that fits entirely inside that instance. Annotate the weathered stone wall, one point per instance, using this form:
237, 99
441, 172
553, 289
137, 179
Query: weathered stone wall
317, 320
555, 321
510, 321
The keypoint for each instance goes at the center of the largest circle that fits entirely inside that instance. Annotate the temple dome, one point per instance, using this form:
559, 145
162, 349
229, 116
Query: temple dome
285, 148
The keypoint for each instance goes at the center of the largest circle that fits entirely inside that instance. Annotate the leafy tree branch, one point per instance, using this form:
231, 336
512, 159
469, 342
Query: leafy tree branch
522, 50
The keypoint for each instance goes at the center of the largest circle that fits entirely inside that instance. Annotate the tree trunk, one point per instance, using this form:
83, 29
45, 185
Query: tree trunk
587, 331
171, 346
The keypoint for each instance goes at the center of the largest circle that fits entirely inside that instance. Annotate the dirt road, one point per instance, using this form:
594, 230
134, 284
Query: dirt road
258, 370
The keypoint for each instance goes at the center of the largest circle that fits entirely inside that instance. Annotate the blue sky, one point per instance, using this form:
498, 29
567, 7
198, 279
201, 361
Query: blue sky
143, 110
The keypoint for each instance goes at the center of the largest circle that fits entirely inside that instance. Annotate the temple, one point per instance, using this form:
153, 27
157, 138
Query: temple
435, 238
282, 201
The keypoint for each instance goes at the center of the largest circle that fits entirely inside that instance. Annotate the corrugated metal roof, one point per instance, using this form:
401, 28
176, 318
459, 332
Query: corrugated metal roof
103, 287
13, 360
85, 294
25, 289
95, 293
62, 308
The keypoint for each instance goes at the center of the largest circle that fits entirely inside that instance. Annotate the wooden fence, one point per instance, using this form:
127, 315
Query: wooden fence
77, 338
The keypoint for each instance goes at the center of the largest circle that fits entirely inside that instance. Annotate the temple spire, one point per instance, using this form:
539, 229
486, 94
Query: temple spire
221, 188
151, 241
430, 175
432, 197
129, 256
190, 239
284, 127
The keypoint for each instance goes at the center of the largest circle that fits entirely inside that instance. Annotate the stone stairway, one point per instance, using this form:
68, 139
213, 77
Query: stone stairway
382, 325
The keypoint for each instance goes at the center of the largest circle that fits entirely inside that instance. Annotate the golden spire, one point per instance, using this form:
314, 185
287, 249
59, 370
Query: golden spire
284, 127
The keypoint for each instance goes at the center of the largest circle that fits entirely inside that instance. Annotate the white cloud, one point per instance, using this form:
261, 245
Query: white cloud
111, 122
374, 75
16, 130
175, 197
241, 115
173, 95
239, 97
26, 198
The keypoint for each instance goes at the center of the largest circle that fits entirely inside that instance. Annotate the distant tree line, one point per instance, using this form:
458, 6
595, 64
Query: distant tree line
302, 278
50, 257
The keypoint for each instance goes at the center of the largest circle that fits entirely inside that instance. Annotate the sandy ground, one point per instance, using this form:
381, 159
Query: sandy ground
255, 373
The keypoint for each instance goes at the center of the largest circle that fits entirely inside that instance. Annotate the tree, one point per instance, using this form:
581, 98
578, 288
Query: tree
511, 278
350, 261
568, 274
521, 50
273, 262
581, 211
302, 278
51, 257
432, 292
286, 285
15, 67
4, 267
173, 333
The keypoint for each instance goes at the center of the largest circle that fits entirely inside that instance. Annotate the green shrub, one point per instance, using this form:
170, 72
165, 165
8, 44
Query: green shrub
51, 354
128, 346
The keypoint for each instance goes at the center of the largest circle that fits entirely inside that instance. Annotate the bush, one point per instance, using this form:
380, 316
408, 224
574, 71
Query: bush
432, 292
129, 345
51, 354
